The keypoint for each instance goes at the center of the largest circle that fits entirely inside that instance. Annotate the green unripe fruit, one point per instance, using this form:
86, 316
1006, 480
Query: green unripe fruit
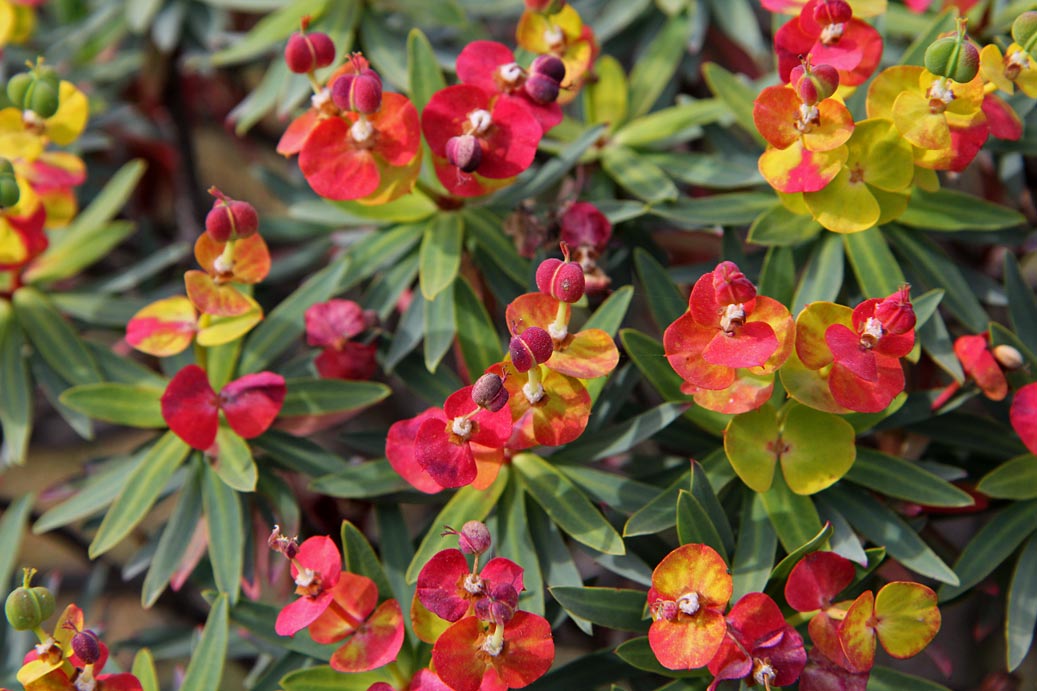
1024, 31
43, 99
9, 192
27, 608
954, 58
37, 90
18, 86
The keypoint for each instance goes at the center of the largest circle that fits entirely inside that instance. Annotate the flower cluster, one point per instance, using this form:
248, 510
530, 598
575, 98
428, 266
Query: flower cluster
218, 307
691, 588
853, 176
534, 396
71, 657
36, 180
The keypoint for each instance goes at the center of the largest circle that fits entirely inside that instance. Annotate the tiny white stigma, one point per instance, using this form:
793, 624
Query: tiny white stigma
223, 266
361, 131
305, 577
511, 73
941, 91
832, 33
473, 584
734, 315
688, 604
554, 37
493, 645
558, 332
461, 426
480, 121
319, 99
533, 392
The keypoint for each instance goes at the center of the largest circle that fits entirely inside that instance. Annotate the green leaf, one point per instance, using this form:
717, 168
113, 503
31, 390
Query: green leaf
226, 533
637, 175
622, 436
90, 235
13, 522
610, 313
516, 543
655, 67
605, 98
1021, 607
397, 549
782, 228
784, 567
144, 669
732, 209
694, 524
550, 173
360, 558
883, 527
991, 546
553, 556
123, 404
259, 619
936, 342
139, 492
658, 514
235, 464
778, 275
937, 270
613, 608
670, 122
324, 678
361, 481
467, 504
423, 74
702, 490
915, 53
823, 276
1022, 307
950, 210
321, 396
754, 553
793, 516
97, 491
220, 362
284, 325
298, 453
896, 477
620, 492
567, 505
886, 679
176, 536
480, 343
665, 300
876, 269
409, 331
440, 256
716, 171
1013, 479
16, 393
205, 670
54, 338
440, 327
271, 29
738, 96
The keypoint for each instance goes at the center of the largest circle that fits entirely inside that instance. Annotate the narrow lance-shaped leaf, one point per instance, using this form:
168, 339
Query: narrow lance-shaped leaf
16, 406
205, 670
226, 533
440, 256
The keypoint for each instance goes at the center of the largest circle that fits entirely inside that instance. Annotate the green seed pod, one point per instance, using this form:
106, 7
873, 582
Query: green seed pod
1024, 31
42, 98
954, 58
27, 608
9, 192
18, 86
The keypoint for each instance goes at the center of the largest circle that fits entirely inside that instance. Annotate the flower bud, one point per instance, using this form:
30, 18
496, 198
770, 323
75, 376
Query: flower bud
1024, 31
832, 12
474, 538
27, 607
465, 152
360, 92
953, 57
9, 191
307, 52
583, 225
561, 280
36, 90
814, 84
1008, 357
532, 347
895, 313
550, 66
541, 88
86, 646
489, 392
730, 286
230, 219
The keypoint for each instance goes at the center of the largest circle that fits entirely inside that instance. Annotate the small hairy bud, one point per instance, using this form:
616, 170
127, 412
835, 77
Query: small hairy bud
730, 285
895, 313
1024, 30
230, 219
36, 90
814, 84
489, 392
28, 606
465, 152
832, 12
561, 280
474, 537
360, 92
532, 346
953, 57
87, 646
307, 52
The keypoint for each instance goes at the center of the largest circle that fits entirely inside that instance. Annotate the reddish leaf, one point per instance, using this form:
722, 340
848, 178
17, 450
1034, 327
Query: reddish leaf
354, 598
191, 408
979, 363
329, 323
585, 355
399, 450
440, 586
816, 579
1023, 415
250, 259
908, 618
526, 654
857, 635
252, 402
163, 328
375, 643
334, 166
212, 298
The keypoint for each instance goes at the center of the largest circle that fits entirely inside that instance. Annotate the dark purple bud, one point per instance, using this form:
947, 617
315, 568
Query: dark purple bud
465, 152
474, 537
86, 646
489, 392
549, 66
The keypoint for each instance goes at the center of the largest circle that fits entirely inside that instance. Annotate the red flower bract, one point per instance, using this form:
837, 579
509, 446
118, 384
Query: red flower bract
491, 66
466, 659
449, 590
316, 569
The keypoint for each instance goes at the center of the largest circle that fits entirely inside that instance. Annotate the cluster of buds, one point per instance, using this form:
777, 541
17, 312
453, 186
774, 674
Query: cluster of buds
36, 92
307, 52
68, 659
